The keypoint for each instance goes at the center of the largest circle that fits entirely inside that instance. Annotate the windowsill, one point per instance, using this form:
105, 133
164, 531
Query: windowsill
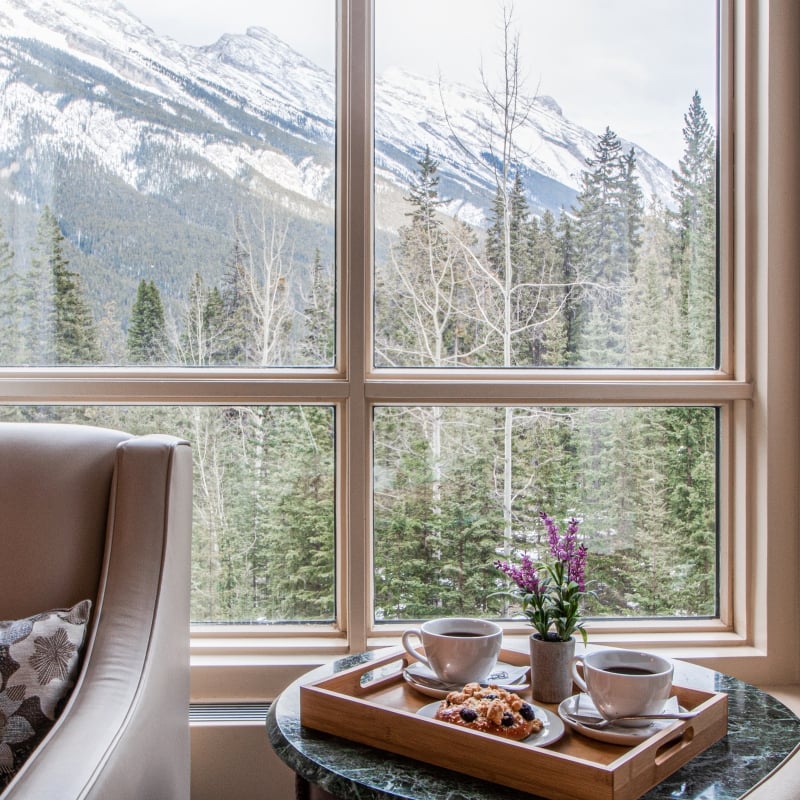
245, 669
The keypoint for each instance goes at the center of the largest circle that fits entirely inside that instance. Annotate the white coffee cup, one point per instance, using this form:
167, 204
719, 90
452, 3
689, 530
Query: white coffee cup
624, 683
457, 649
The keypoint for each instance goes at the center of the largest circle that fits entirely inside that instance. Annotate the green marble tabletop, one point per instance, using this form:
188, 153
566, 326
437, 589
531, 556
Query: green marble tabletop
761, 733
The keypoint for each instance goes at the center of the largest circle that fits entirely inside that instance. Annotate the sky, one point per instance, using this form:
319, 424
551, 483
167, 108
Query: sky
632, 65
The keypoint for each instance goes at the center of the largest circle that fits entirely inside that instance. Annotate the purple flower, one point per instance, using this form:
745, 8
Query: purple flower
566, 548
551, 592
524, 575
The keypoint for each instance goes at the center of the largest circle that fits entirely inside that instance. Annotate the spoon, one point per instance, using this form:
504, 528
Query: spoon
513, 683
598, 723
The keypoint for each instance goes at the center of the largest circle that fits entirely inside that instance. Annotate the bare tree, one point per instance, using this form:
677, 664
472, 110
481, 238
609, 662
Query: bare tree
267, 278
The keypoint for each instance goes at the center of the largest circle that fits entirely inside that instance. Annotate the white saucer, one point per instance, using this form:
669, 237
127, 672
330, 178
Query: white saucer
552, 728
425, 681
614, 734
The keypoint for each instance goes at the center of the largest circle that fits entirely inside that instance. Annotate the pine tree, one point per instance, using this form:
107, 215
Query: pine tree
573, 300
62, 330
147, 334
423, 194
633, 207
10, 311
541, 298
215, 323
608, 217
318, 347
416, 313
292, 510
653, 297
509, 209
600, 212
37, 302
695, 259
238, 324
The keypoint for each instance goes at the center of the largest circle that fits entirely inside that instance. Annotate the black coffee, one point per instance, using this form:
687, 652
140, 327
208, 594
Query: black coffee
622, 670
461, 634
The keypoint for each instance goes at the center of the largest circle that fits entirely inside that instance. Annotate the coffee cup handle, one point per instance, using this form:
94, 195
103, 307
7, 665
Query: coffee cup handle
415, 632
581, 683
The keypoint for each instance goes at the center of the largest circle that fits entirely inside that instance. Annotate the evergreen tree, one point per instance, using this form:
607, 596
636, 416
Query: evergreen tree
608, 216
416, 310
653, 297
509, 211
37, 301
423, 193
290, 450
633, 207
573, 299
238, 325
216, 326
695, 259
147, 335
10, 311
62, 330
601, 212
318, 347
542, 298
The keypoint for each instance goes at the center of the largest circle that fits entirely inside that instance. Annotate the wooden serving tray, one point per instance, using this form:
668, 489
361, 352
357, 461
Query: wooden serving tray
372, 704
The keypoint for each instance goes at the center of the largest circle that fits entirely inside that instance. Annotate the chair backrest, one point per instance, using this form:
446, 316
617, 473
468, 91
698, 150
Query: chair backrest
55, 483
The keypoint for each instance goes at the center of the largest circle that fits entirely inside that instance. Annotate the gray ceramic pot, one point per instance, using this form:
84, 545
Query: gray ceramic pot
551, 673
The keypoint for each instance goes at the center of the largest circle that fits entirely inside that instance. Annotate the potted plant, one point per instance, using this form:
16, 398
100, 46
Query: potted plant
550, 593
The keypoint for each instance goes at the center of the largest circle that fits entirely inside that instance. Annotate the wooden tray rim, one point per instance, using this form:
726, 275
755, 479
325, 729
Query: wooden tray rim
334, 688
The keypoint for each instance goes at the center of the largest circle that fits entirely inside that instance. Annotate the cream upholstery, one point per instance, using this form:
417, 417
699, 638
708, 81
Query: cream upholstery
90, 512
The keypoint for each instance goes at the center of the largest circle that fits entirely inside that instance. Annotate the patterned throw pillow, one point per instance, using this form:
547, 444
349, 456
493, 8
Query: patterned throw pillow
39, 661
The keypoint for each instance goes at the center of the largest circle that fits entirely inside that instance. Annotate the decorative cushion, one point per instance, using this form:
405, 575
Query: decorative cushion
39, 661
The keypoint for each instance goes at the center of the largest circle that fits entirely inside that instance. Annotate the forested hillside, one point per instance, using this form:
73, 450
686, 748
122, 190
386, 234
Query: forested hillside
185, 250
607, 283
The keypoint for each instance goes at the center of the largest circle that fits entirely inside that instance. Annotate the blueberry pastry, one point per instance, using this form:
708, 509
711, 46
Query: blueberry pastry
491, 710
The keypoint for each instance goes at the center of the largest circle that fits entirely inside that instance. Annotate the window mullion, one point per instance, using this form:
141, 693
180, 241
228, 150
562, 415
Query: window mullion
354, 134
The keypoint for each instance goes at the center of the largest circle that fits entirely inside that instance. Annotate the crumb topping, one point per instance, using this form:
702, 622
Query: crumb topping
490, 709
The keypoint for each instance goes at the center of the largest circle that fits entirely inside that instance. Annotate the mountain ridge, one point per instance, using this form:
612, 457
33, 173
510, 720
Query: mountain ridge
147, 149
257, 78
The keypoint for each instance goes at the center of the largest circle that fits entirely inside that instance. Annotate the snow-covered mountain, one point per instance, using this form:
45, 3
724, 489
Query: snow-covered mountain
456, 121
151, 152
118, 88
249, 105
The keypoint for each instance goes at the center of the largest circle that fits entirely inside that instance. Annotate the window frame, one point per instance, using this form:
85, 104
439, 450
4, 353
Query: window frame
756, 386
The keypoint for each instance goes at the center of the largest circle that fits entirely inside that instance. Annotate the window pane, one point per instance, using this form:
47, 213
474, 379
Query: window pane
263, 521
546, 184
167, 181
457, 488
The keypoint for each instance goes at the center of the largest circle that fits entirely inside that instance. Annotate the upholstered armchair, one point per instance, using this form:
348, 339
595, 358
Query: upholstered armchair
93, 514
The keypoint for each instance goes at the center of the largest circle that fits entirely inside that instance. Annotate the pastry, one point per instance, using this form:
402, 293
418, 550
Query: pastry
491, 710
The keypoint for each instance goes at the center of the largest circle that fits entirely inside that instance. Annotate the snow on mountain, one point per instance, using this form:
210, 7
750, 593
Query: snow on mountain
250, 107
217, 98
456, 122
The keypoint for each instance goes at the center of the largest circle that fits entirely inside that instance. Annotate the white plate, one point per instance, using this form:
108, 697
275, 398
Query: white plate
552, 729
614, 734
508, 677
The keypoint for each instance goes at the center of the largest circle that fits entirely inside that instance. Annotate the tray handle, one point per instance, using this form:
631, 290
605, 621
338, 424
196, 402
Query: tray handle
352, 682
670, 749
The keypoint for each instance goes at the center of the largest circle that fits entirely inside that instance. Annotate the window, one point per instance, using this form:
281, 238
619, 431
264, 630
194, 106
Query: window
521, 242
215, 269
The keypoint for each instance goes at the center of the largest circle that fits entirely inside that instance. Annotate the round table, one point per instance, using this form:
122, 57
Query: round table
761, 733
